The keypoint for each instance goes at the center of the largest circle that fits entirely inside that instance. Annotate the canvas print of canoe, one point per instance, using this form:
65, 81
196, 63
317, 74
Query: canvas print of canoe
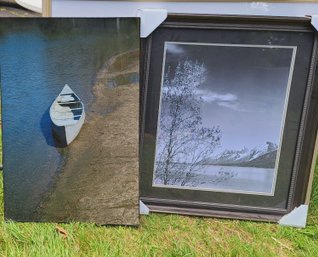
70, 98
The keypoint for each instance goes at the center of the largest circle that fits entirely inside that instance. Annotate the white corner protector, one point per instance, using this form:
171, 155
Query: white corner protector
143, 209
296, 218
150, 19
314, 21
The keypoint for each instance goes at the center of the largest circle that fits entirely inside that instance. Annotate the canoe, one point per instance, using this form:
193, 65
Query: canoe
67, 114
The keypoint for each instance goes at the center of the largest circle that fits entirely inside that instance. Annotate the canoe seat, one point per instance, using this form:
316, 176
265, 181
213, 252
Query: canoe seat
60, 108
73, 117
69, 102
66, 98
67, 94
64, 112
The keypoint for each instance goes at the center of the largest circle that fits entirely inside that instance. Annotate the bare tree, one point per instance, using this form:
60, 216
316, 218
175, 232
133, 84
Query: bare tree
183, 143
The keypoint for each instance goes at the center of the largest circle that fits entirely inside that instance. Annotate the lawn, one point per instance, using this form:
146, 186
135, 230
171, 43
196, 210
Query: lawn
162, 235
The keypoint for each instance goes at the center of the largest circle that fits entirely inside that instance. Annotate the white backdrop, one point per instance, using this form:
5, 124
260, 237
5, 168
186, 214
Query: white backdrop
78, 8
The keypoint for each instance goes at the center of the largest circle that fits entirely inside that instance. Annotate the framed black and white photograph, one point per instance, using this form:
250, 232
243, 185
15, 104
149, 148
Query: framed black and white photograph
216, 130
229, 120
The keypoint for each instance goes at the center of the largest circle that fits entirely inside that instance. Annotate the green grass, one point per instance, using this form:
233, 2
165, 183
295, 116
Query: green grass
0, 142
163, 235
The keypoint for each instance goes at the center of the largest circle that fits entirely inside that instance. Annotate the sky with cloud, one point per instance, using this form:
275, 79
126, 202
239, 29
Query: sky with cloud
244, 91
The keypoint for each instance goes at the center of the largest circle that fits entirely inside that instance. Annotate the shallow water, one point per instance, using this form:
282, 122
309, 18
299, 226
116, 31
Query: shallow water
243, 179
34, 68
123, 80
233, 179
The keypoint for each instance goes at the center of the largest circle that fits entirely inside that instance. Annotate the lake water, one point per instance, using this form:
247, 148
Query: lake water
233, 179
34, 68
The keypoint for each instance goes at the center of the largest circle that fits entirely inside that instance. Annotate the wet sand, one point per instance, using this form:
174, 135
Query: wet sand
99, 180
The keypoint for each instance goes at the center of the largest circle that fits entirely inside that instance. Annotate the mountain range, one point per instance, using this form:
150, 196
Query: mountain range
263, 156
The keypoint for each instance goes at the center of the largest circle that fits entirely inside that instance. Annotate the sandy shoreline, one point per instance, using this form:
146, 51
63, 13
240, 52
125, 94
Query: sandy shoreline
99, 181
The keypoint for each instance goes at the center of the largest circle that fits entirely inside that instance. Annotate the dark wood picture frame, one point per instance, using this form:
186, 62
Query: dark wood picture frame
301, 130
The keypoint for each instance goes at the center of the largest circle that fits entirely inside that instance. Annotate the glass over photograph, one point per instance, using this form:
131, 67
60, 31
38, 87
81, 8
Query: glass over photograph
70, 117
221, 116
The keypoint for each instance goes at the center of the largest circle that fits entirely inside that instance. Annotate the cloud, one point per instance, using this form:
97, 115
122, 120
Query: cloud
174, 48
210, 97
230, 105
237, 106
228, 100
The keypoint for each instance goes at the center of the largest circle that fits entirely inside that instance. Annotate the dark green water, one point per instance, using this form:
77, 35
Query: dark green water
37, 58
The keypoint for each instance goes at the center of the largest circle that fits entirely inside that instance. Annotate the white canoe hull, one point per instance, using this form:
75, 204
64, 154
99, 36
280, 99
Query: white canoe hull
66, 134
67, 119
71, 131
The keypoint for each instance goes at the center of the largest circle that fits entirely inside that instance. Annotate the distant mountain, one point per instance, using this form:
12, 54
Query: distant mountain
267, 160
262, 156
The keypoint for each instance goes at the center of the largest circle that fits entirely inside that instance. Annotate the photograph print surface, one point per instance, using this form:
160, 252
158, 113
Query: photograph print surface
70, 98
221, 116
